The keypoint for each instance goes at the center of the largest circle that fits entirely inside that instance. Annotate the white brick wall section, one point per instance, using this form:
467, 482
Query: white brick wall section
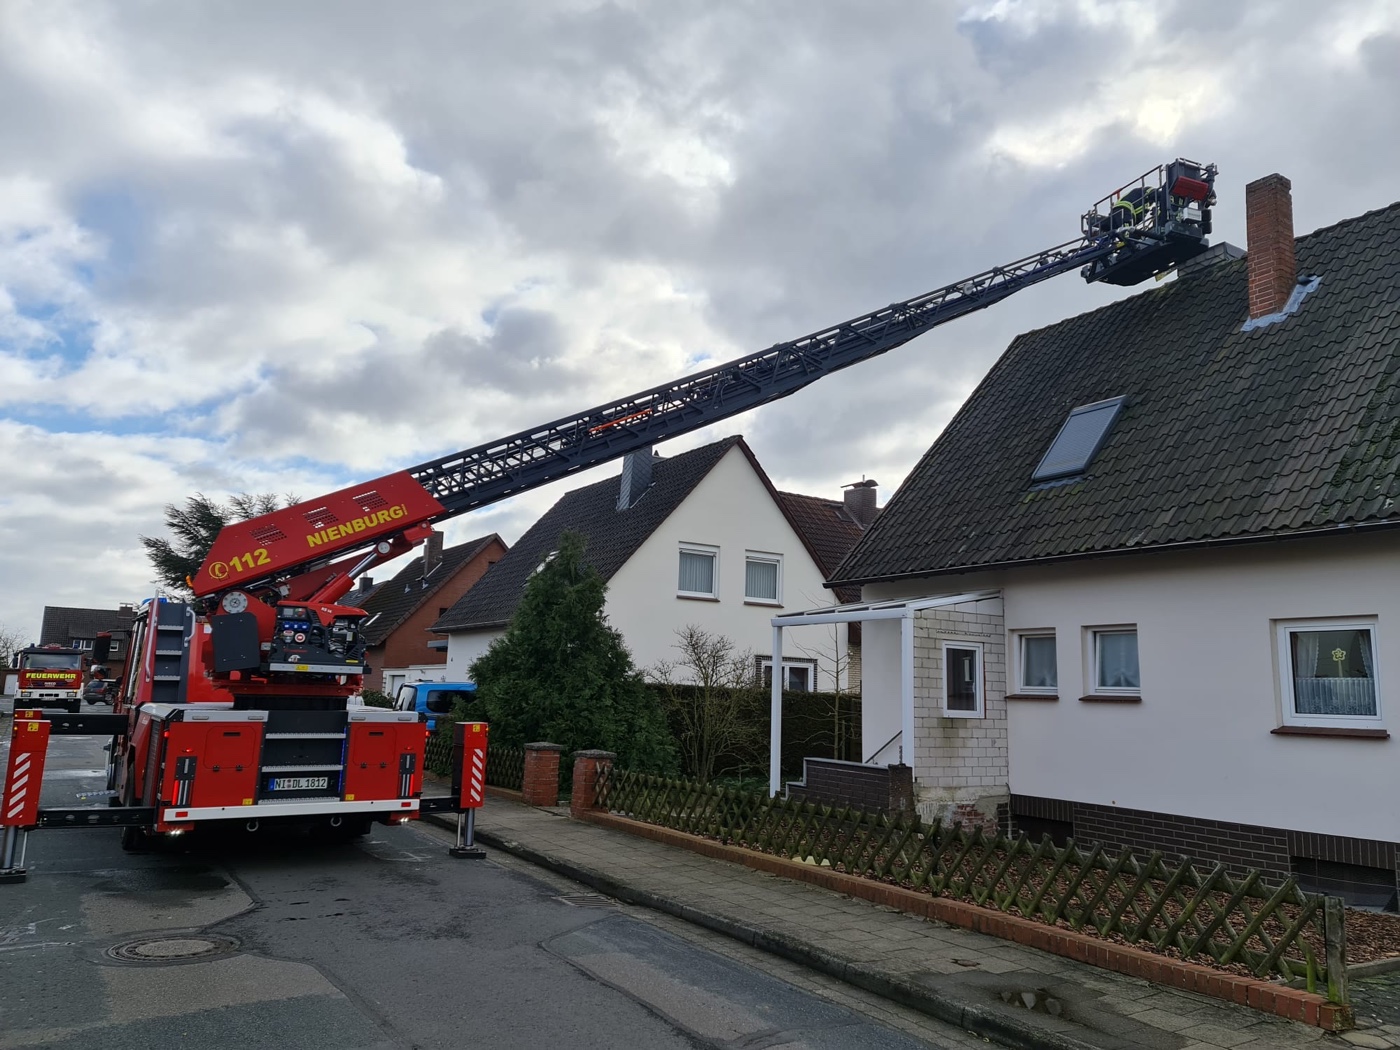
960, 759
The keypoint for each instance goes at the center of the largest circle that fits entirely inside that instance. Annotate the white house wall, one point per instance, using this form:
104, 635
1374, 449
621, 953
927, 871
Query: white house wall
733, 510
1200, 744
463, 649
879, 700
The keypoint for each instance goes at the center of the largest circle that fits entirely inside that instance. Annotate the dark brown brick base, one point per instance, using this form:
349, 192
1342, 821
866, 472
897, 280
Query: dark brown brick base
875, 789
1274, 851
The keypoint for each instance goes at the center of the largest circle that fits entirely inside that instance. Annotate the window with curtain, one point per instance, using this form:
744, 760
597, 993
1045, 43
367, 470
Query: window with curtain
1330, 673
1116, 661
1038, 668
761, 575
697, 572
962, 680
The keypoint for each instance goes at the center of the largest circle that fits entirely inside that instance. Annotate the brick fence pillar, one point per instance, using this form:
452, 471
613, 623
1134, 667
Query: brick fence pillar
540, 785
587, 766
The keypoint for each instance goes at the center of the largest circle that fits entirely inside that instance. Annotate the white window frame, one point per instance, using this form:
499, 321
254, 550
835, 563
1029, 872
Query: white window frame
1093, 654
699, 548
1019, 638
979, 681
767, 559
1287, 701
766, 662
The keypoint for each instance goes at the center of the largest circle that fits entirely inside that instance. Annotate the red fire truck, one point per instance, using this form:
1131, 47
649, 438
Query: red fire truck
233, 708
50, 676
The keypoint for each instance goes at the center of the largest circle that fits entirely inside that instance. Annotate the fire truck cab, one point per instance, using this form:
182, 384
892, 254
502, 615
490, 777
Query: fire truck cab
50, 676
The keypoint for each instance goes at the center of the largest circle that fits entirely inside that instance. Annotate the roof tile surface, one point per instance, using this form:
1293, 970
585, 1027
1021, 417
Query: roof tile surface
1226, 435
395, 600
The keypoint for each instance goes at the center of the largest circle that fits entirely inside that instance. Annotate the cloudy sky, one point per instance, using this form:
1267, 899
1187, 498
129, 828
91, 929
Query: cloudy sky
286, 246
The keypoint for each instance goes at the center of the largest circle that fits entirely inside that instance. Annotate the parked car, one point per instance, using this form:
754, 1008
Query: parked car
99, 689
433, 699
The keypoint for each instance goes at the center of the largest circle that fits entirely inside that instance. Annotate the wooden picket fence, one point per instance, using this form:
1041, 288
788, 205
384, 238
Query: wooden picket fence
505, 766
1270, 929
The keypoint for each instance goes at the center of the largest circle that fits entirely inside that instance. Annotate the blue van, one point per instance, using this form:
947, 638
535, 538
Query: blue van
433, 698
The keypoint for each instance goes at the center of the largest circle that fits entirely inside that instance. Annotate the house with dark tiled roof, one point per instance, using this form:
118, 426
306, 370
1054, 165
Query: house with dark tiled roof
399, 645
699, 538
79, 629
1142, 589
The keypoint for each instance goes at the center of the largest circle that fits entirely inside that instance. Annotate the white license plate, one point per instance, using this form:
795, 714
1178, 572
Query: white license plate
300, 783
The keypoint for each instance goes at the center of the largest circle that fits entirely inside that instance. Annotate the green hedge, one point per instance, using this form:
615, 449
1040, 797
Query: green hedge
810, 730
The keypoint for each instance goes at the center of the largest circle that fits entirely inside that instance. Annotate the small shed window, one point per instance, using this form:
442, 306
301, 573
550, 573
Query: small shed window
1079, 439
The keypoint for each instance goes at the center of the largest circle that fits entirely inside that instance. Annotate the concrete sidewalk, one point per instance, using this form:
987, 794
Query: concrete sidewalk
1012, 995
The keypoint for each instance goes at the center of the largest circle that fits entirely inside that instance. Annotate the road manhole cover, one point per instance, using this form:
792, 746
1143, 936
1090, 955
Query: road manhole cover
172, 949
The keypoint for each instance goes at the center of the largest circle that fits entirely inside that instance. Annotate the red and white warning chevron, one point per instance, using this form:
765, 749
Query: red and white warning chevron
24, 773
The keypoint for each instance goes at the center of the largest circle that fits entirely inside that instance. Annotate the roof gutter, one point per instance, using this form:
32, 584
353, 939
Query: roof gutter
467, 626
1229, 541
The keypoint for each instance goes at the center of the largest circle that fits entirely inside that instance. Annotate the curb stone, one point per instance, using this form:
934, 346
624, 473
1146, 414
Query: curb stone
970, 1017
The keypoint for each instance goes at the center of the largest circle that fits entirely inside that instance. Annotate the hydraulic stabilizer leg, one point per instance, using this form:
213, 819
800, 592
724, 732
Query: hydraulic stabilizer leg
469, 785
12, 854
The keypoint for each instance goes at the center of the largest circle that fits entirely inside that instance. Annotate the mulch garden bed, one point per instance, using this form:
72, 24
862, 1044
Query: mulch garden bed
1372, 935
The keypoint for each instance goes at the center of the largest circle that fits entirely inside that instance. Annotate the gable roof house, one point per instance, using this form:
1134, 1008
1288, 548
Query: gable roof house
1142, 589
399, 646
76, 628
699, 538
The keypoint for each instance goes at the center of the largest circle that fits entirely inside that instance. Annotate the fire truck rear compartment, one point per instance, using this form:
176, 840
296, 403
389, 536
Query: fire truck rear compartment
310, 767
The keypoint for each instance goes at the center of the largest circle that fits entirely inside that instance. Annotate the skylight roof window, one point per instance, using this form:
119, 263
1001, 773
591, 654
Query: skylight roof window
1079, 440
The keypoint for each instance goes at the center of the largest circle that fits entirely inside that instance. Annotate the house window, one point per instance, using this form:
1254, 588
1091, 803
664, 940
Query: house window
1115, 657
699, 572
1036, 663
84, 644
763, 578
799, 676
1081, 436
962, 680
116, 646
1328, 673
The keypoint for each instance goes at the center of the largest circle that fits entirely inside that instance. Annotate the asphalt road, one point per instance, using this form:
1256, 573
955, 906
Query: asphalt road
387, 942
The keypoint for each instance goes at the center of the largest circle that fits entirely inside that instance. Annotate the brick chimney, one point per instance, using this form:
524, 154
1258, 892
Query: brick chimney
860, 502
1273, 267
432, 552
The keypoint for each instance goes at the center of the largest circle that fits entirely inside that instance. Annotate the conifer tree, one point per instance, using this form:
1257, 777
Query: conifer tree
193, 528
562, 673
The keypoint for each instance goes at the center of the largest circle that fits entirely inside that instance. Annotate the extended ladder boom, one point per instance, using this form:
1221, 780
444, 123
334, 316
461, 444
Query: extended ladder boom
487, 473
1141, 229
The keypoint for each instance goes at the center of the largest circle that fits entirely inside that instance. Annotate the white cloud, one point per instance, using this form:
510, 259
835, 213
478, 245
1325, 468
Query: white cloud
282, 247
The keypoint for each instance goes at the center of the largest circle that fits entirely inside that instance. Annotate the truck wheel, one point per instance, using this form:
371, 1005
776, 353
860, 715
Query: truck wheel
75, 707
135, 840
112, 772
358, 829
